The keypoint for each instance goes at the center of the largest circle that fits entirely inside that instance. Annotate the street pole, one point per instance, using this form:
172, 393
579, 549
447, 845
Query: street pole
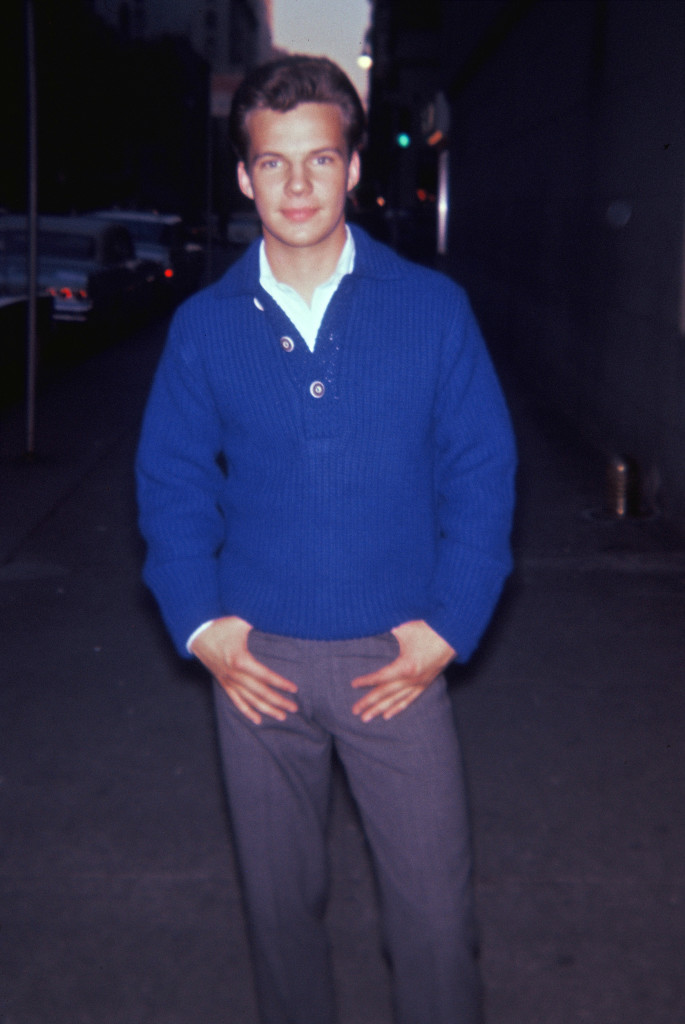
32, 224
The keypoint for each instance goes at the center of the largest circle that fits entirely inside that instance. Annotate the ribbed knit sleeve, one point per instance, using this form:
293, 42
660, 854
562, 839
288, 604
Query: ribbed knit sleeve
475, 464
178, 482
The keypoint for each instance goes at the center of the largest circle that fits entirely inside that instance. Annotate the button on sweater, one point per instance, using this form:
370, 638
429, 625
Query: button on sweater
329, 494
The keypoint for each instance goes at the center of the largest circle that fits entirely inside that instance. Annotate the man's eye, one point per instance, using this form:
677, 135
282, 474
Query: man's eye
321, 161
270, 164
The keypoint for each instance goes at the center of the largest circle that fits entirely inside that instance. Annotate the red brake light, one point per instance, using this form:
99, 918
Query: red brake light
68, 293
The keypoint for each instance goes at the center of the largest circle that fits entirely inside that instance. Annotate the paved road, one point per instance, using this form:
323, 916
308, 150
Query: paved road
119, 897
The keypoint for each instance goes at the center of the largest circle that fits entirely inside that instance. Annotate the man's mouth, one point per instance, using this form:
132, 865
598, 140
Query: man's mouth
299, 214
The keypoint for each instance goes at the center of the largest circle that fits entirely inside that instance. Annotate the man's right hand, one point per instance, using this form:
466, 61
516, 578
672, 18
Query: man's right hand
254, 689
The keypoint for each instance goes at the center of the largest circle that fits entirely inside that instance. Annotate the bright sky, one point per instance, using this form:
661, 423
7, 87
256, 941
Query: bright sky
330, 28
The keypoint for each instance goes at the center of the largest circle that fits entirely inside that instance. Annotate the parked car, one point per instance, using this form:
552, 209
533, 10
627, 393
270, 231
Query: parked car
163, 238
88, 267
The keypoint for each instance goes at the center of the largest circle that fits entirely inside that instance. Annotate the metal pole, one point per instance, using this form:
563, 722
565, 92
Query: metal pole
32, 224
443, 200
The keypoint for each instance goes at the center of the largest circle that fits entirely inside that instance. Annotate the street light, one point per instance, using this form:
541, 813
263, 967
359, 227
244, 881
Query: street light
365, 59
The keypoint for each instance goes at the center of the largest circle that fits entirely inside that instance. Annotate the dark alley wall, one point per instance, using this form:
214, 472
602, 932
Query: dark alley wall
567, 186
119, 120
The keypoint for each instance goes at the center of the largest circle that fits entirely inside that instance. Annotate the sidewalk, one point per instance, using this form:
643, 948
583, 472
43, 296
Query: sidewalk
119, 897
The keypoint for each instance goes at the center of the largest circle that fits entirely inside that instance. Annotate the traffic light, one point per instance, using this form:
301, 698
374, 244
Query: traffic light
403, 134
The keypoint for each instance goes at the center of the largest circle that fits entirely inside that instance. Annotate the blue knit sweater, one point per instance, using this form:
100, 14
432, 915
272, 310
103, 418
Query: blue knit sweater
333, 494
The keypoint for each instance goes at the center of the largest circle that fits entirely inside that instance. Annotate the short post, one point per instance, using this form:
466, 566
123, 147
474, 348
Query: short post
623, 488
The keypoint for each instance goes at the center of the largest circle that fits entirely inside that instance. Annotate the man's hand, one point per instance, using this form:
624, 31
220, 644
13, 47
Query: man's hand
423, 655
254, 689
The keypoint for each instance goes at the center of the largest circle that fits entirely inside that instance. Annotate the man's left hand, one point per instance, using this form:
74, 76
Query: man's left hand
423, 655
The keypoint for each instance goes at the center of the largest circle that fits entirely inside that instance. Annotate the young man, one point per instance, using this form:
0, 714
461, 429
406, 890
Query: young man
325, 480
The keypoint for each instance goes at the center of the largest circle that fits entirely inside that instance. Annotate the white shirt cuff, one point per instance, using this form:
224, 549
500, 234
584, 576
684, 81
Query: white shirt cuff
196, 632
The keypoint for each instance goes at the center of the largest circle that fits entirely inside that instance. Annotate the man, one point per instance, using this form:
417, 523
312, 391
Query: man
325, 480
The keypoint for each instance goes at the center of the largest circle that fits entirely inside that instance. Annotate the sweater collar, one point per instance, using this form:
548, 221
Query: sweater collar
372, 260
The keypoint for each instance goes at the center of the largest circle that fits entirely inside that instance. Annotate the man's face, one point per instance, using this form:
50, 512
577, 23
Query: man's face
298, 173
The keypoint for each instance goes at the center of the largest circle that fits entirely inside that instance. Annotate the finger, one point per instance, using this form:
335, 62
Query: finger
391, 704
402, 703
387, 674
261, 696
259, 671
269, 685
378, 697
243, 706
252, 700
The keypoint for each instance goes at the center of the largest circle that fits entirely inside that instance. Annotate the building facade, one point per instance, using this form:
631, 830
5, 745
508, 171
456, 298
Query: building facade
565, 201
230, 35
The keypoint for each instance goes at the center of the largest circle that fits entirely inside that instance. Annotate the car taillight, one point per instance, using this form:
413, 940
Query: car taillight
68, 293
168, 272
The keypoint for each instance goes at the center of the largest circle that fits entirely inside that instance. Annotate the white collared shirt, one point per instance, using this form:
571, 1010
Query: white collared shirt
306, 318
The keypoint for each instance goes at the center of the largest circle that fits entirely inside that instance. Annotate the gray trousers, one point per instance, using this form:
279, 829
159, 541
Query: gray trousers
406, 777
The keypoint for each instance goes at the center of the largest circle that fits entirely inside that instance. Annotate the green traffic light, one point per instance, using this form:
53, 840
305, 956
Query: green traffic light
403, 140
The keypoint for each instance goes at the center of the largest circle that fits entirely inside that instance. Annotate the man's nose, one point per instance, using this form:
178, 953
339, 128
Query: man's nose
298, 179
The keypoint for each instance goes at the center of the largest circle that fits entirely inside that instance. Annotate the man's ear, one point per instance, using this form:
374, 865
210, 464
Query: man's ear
353, 171
244, 183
